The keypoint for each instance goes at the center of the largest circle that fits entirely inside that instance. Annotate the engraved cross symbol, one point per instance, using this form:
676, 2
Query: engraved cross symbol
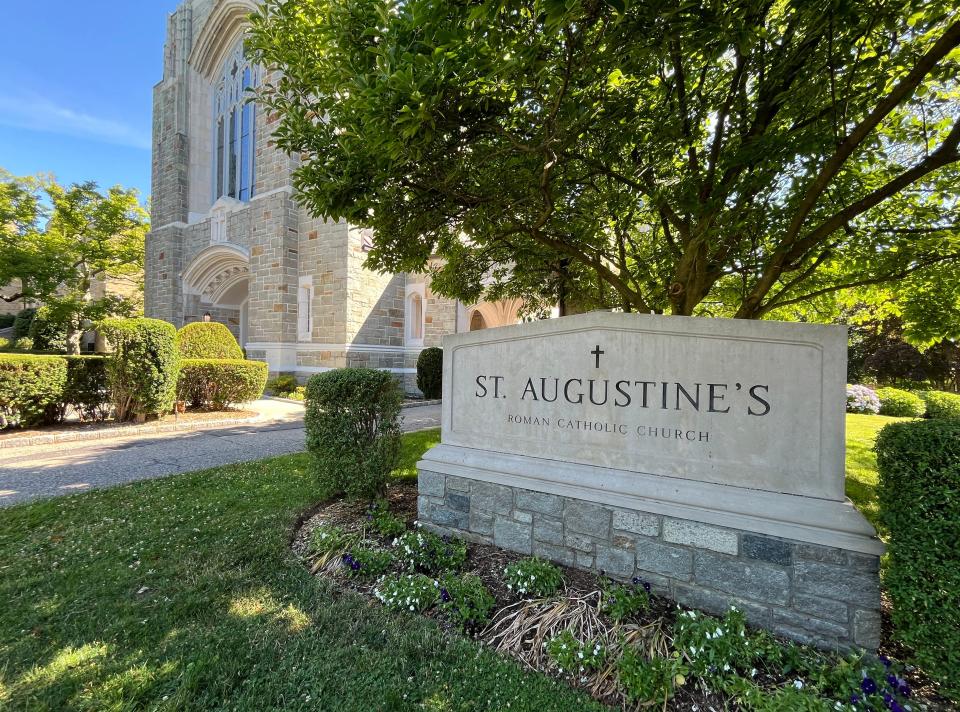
598, 353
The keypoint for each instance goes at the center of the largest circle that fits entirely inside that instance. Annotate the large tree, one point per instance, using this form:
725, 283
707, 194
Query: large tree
57, 242
731, 158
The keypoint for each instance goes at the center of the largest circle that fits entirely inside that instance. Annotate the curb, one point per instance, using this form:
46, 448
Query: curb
113, 432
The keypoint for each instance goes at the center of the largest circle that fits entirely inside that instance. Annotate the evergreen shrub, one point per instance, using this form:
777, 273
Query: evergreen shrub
218, 383
208, 339
919, 493
900, 404
21, 323
941, 404
29, 385
142, 371
430, 372
353, 429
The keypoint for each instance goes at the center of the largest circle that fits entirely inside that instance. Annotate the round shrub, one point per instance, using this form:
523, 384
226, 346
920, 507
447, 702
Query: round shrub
208, 339
430, 372
4, 343
29, 385
353, 430
21, 323
283, 385
218, 383
143, 368
6, 320
24, 343
919, 492
941, 404
862, 399
48, 332
900, 404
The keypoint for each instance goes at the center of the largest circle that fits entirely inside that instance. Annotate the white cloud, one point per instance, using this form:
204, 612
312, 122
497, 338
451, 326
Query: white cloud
38, 113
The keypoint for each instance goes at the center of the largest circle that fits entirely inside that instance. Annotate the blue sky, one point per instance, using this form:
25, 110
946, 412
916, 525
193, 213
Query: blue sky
76, 95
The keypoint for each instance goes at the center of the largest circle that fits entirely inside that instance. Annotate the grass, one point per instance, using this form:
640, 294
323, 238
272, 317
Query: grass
182, 594
862, 478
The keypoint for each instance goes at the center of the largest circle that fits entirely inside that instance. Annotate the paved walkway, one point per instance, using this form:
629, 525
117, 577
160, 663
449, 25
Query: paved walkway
55, 470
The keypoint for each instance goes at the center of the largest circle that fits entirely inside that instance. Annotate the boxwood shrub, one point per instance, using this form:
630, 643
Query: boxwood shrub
353, 429
941, 404
430, 372
86, 389
218, 383
208, 339
29, 386
143, 368
919, 495
900, 404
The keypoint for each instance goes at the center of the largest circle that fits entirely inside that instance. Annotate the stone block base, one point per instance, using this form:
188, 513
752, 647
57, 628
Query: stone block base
818, 595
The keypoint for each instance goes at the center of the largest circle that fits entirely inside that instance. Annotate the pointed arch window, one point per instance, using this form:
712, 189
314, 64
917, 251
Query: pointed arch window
234, 126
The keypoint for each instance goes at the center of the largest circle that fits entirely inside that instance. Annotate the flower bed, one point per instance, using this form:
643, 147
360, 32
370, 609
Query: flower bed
624, 645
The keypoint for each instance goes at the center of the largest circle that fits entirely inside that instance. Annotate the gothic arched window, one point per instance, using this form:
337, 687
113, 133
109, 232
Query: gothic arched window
234, 126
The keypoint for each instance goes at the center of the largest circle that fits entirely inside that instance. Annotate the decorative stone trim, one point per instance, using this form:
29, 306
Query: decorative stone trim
818, 595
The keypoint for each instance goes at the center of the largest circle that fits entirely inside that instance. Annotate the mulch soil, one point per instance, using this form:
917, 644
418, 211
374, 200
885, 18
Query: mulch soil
488, 562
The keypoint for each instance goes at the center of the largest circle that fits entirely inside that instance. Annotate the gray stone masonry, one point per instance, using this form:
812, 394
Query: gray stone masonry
815, 595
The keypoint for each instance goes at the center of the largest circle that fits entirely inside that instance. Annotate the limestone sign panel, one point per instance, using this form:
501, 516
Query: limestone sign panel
756, 405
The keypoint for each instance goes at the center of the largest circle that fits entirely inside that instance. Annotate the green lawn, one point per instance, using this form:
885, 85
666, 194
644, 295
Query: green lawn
182, 594
862, 432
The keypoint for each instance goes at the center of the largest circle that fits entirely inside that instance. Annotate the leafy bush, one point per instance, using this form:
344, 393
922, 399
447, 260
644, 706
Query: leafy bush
648, 681
6, 320
24, 343
941, 404
573, 657
353, 429
383, 521
4, 344
218, 383
718, 645
919, 494
862, 399
466, 601
423, 551
29, 386
410, 592
900, 404
533, 578
282, 385
21, 323
85, 390
623, 601
143, 369
48, 331
430, 372
366, 562
208, 339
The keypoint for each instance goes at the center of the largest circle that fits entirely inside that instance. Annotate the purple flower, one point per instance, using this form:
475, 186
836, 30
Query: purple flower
893, 681
355, 565
444, 595
348, 559
896, 707
646, 587
854, 699
868, 686
887, 699
636, 580
885, 660
903, 688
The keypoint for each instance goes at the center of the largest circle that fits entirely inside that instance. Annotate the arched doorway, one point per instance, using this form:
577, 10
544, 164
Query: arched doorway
217, 283
477, 322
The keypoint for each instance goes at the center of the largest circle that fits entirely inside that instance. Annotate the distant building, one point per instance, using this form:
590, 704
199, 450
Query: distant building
229, 240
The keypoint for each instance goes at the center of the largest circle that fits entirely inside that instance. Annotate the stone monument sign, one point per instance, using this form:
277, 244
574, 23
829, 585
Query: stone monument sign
703, 455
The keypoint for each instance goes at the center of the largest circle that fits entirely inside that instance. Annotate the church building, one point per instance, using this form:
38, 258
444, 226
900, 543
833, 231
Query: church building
229, 242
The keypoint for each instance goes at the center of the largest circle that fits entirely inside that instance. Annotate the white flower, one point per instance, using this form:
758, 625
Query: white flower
798, 684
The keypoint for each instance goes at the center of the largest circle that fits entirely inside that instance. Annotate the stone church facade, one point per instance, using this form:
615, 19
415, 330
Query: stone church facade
230, 243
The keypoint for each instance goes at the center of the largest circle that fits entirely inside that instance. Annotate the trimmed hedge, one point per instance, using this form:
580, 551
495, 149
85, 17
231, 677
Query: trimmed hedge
919, 494
208, 339
900, 404
86, 389
22, 322
143, 369
353, 429
430, 372
29, 385
941, 404
218, 383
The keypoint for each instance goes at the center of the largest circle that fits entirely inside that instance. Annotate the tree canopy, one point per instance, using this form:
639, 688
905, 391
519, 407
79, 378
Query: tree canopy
727, 158
56, 242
